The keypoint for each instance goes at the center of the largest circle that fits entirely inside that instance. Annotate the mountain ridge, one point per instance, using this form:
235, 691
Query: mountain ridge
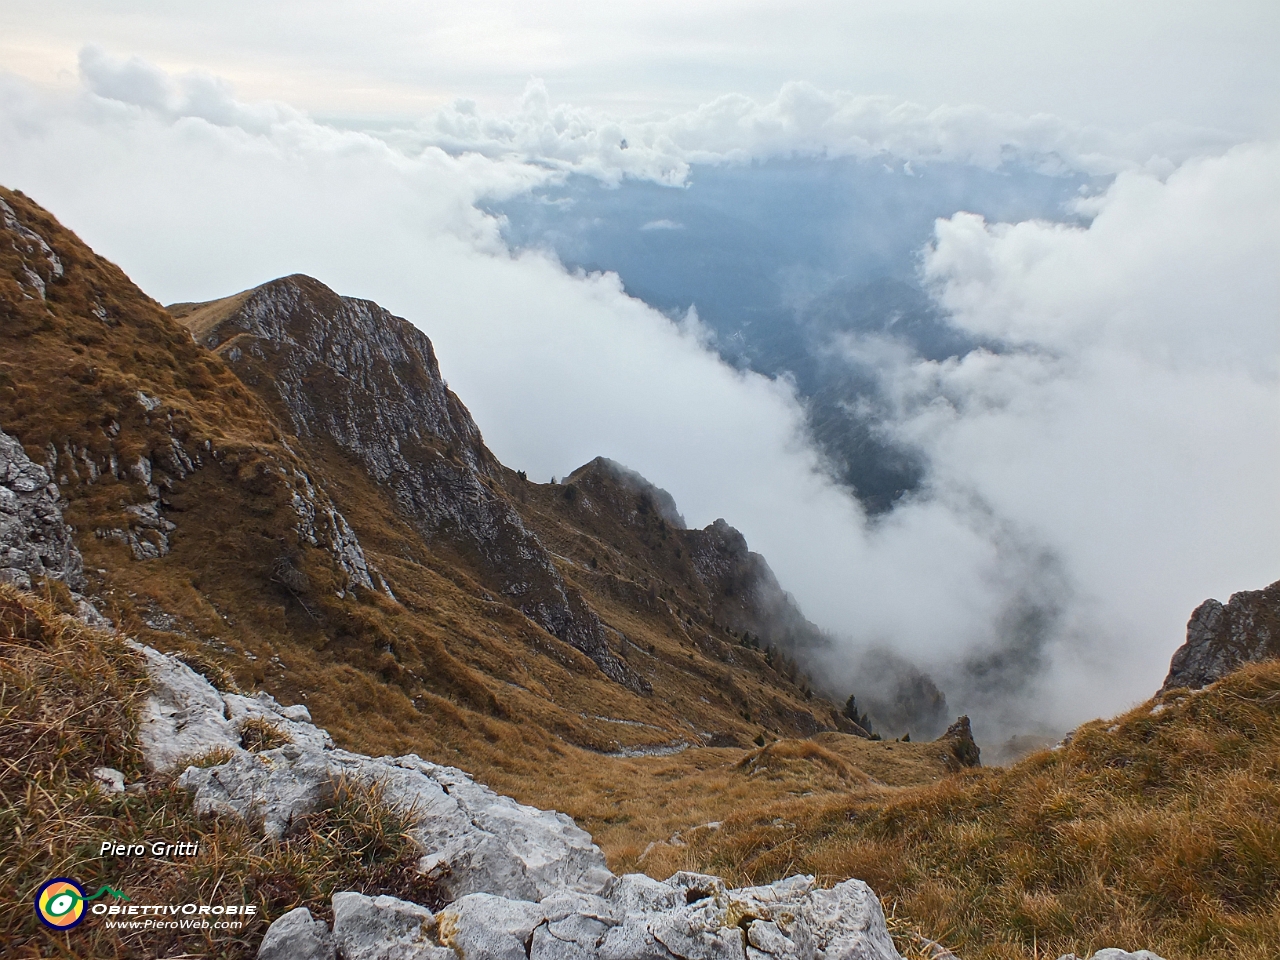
259, 506
347, 370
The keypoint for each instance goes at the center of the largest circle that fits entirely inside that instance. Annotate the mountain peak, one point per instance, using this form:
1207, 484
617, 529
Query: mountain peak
1223, 637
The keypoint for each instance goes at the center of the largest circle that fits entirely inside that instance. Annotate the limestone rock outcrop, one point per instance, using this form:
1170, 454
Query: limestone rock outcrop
524, 884
297, 936
1223, 637
471, 838
40, 266
35, 542
688, 917
384, 928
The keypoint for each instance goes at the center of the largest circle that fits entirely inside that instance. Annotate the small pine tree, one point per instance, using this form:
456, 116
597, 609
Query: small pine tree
851, 711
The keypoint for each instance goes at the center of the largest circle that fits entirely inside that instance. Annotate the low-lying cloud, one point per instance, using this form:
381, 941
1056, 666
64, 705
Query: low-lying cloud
800, 119
1110, 466
1132, 425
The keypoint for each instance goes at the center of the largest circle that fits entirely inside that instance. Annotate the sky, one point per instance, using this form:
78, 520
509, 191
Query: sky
1193, 64
1102, 464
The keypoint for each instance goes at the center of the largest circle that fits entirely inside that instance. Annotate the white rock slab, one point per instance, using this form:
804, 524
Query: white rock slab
297, 936
472, 839
384, 928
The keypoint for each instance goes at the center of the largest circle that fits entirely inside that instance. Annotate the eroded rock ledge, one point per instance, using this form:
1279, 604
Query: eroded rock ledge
1223, 637
524, 883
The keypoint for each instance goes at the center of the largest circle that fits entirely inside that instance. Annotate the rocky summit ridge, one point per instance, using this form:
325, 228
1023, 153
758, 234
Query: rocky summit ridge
348, 372
280, 485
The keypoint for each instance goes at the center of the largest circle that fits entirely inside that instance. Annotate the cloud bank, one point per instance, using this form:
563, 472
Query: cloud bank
1132, 427
800, 119
1088, 485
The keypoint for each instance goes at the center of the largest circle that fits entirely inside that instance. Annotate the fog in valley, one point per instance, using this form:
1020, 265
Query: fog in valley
996, 394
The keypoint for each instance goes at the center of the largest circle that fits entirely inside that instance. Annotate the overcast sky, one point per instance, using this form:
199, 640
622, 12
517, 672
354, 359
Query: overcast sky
1198, 64
1116, 464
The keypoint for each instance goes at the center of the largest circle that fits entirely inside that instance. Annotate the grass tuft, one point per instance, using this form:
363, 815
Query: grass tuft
258, 734
1158, 831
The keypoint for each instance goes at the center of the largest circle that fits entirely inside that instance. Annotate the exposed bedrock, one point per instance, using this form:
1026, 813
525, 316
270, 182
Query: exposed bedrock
348, 371
35, 542
523, 883
1223, 637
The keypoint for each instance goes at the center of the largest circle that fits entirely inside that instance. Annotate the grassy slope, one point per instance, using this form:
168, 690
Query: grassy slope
1161, 833
1157, 830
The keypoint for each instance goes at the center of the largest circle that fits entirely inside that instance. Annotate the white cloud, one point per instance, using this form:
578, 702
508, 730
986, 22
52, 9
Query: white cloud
1123, 66
194, 94
1133, 426
1123, 450
800, 118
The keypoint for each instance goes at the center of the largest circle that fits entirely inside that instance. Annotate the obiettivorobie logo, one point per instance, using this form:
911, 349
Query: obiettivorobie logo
60, 902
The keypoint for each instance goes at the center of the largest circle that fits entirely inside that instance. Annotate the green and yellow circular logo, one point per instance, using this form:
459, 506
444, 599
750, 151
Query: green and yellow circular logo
60, 903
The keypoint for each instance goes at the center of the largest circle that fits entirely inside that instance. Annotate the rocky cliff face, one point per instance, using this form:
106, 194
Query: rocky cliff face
747, 595
139, 410
348, 371
1221, 638
35, 543
736, 585
306, 507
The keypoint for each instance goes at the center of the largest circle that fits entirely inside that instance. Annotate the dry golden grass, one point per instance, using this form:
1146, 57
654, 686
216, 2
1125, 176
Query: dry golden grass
68, 699
1159, 831
444, 673
642, 810
1162, 833
70, 695
259, 733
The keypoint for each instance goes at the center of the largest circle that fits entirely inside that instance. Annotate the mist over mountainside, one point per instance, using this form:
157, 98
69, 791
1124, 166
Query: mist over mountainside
285, 491
784, 259
659, 411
